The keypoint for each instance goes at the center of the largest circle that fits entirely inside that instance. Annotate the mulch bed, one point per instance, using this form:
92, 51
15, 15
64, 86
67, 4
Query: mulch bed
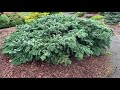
4, 33
116, 28
92, 67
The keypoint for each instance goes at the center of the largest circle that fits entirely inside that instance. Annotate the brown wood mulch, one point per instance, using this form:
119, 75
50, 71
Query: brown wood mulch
116, 28
92, 67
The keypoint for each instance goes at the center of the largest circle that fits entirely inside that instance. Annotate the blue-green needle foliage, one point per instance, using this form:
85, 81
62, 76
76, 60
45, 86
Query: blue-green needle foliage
56, 38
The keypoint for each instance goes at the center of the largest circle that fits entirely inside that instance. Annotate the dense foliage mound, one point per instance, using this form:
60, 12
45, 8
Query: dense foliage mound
56, 38
4, 21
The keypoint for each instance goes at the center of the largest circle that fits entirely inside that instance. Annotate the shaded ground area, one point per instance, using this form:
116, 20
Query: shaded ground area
93, 67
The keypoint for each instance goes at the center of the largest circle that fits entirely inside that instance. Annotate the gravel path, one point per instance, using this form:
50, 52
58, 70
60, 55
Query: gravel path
115, 48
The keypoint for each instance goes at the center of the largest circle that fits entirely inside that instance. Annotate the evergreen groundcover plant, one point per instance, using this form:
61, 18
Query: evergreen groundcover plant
56, 38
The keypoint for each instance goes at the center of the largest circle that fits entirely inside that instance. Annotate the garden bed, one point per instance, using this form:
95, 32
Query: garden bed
93, 67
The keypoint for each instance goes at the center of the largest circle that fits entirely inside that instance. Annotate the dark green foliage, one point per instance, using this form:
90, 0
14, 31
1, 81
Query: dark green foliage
10, 20
15, 19
53, 12
80, 14
56, 38
102, 13
112, 17
4, 21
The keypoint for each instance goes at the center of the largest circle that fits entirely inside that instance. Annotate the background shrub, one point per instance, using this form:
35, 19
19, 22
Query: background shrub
80, 14
102, 13
15, 19
35, 15
55, 12
97, 17
112, 17
4, 21
56, 38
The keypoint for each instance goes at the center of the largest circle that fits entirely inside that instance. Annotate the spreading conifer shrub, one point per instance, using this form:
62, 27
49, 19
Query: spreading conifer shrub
56, 39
